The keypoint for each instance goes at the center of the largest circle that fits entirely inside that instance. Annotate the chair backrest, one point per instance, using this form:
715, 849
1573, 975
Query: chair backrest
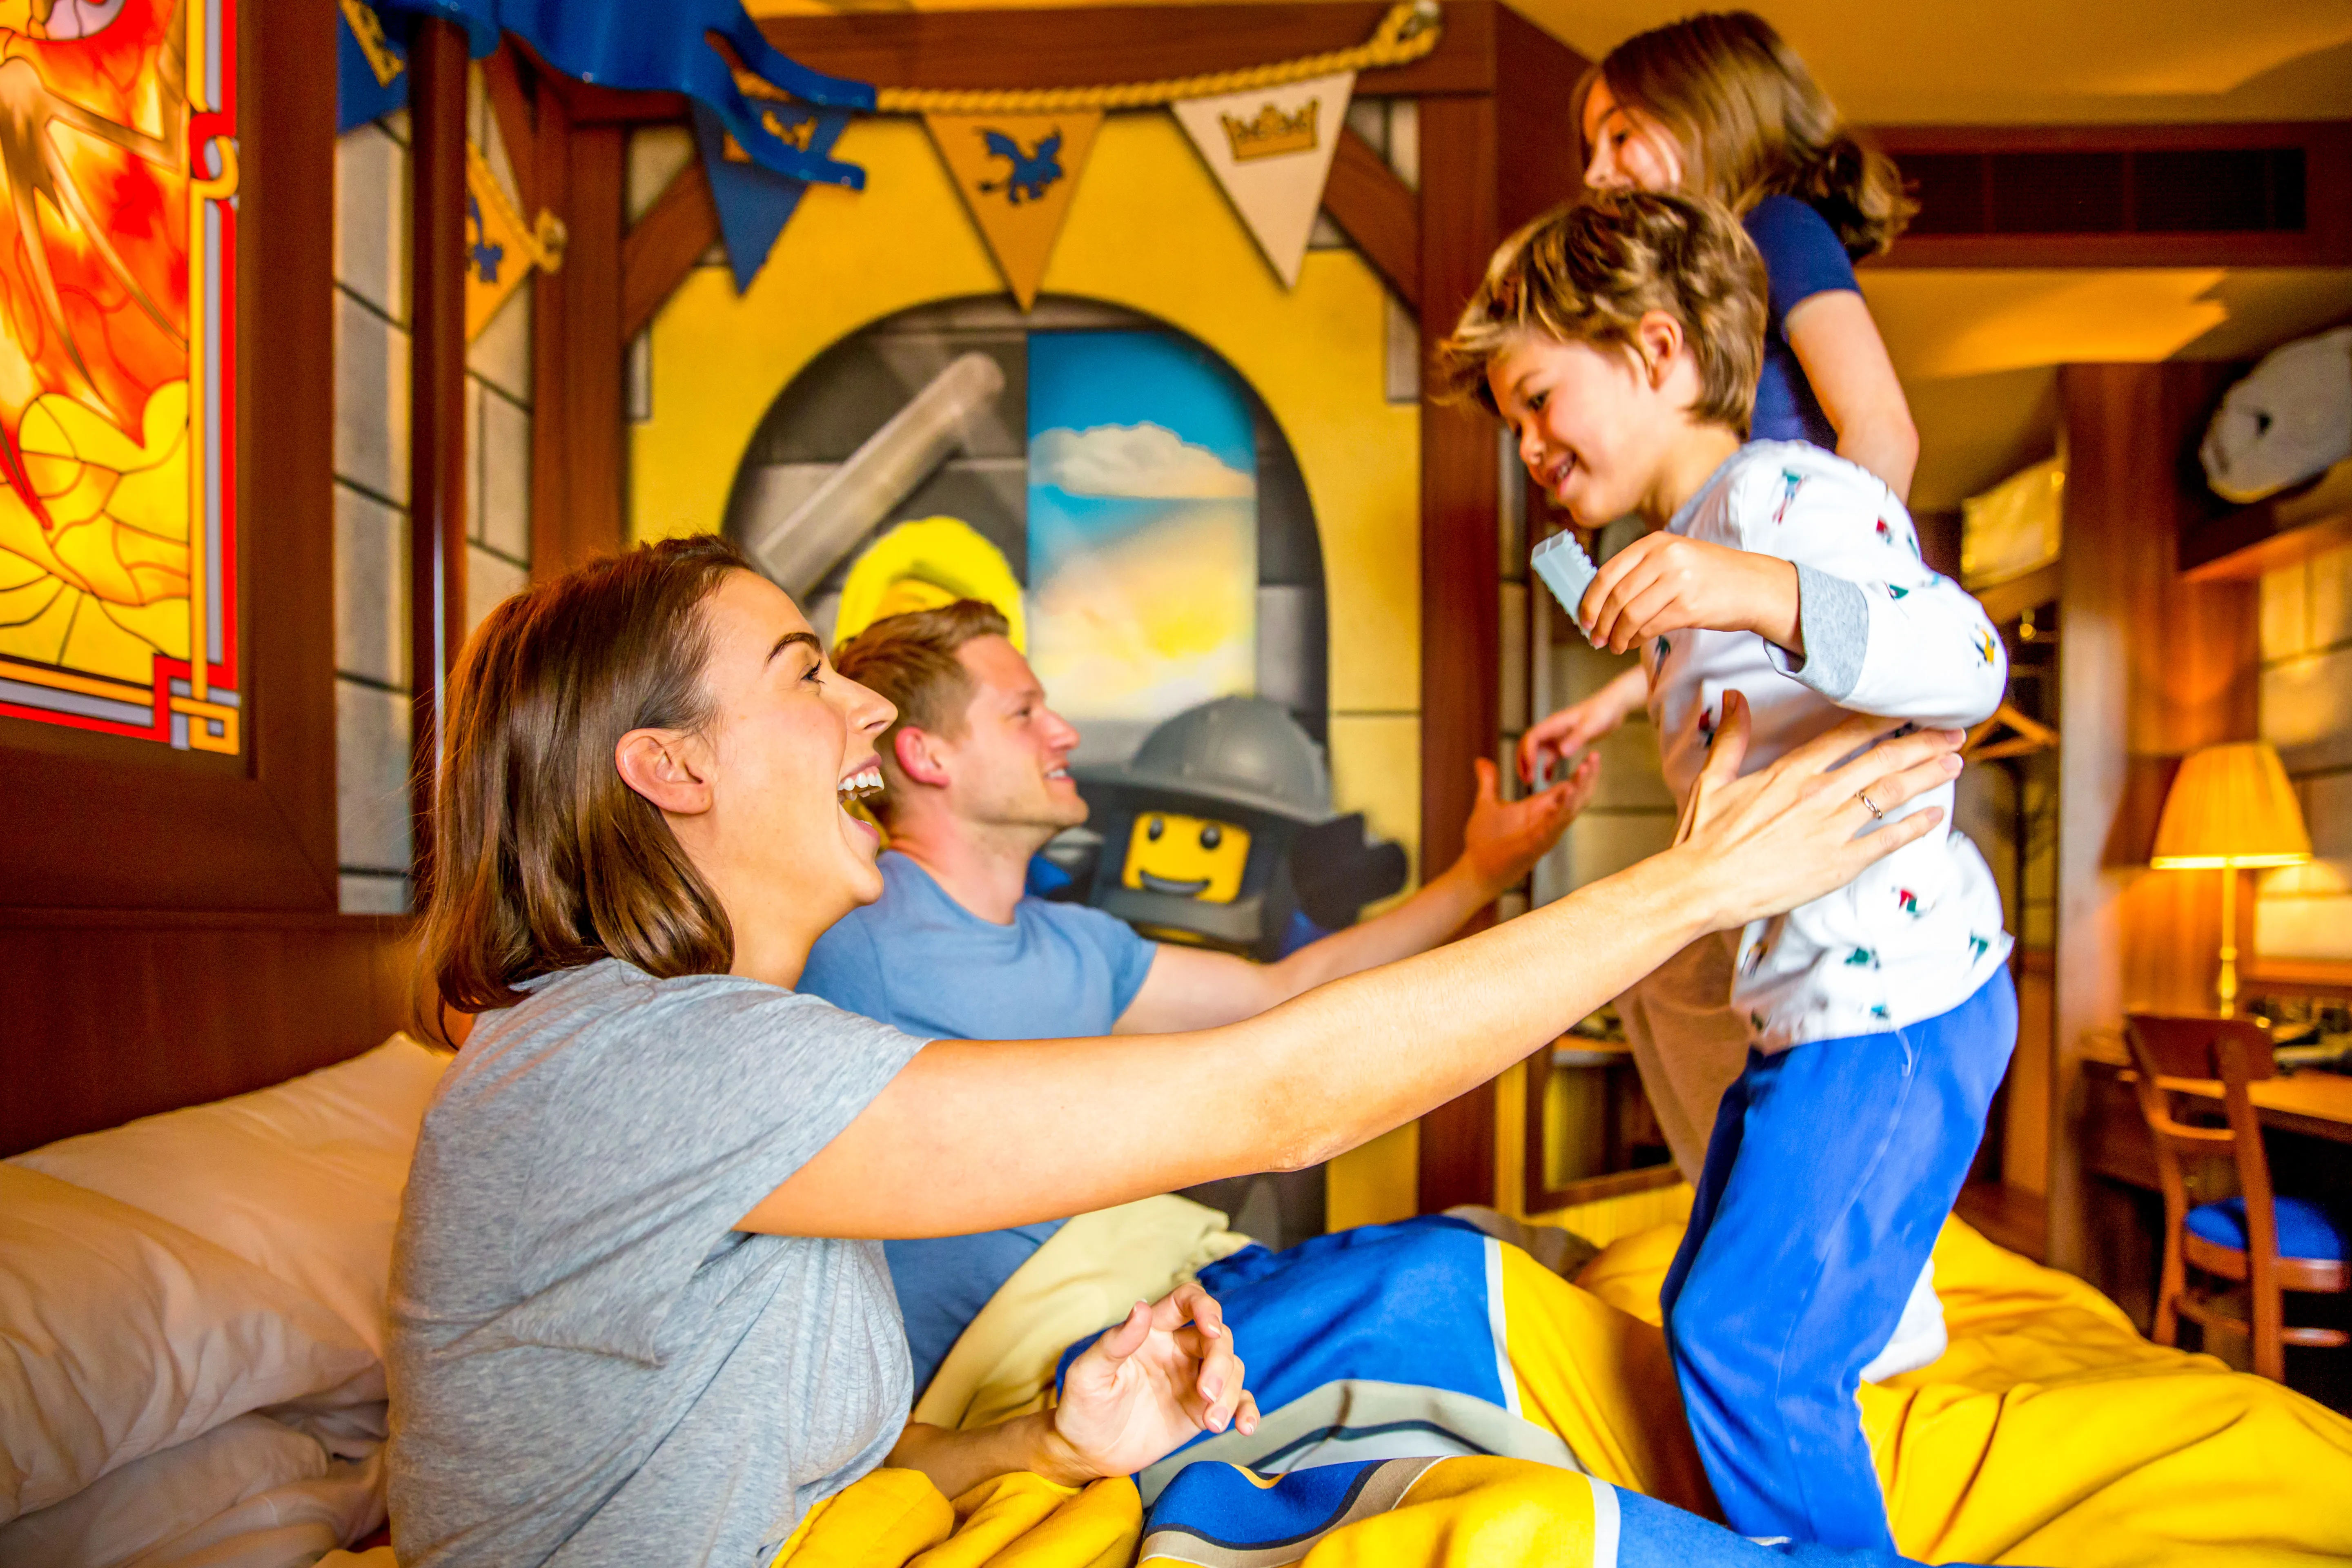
2189, 1046
2177, 1057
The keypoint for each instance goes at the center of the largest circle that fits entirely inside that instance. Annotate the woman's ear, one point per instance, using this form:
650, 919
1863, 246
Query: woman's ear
658, 765
918, 757
1660, 338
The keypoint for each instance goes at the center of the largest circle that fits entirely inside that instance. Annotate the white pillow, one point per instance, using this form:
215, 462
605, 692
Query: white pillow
121, 1334
303, 1179
149, 1501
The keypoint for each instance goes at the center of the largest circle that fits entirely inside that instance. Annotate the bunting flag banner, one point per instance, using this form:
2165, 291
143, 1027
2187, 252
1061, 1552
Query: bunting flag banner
501, 247
672, 47
754, 202
370, 66
1016, 173
1271, 149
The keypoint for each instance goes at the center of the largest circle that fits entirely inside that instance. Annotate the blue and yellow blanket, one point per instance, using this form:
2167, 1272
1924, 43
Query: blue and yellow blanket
1436, 1399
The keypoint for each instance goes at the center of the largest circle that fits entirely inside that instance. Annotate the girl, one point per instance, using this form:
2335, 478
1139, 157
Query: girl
636, 1315
1719, 105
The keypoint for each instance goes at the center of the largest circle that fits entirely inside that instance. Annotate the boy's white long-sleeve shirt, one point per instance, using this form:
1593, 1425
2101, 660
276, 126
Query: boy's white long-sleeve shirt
1917, 932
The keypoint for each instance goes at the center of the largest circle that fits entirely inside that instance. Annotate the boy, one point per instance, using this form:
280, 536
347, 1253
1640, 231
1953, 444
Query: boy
1619, 341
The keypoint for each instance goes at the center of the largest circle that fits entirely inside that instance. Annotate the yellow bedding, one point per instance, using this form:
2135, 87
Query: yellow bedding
2049, 1433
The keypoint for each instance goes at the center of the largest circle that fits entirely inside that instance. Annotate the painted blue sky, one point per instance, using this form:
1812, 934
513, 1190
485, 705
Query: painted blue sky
1080, 380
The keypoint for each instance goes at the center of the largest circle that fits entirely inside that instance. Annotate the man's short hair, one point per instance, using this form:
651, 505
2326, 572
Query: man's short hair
1589, 271
912, 659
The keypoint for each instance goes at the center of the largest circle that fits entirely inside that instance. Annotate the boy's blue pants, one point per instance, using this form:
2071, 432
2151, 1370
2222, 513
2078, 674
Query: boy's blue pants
1831, 1169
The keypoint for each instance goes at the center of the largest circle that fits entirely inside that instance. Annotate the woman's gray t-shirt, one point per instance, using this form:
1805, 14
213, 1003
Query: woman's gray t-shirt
588, 1364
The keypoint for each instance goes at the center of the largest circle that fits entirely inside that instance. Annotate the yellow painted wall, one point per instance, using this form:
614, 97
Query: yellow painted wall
1147, 229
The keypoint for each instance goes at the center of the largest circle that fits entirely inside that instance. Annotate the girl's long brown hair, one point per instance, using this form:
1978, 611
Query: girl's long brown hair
544, 859
1752, 122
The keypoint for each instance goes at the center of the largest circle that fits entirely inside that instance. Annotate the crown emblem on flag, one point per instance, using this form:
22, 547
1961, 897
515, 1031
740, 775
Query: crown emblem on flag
1272, 132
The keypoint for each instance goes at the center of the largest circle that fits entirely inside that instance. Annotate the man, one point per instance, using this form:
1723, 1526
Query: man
978, 777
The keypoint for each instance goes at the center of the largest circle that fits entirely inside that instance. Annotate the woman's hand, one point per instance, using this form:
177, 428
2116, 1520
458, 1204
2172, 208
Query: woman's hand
1791, 832
1663, 583
1561, 735
1148, 1386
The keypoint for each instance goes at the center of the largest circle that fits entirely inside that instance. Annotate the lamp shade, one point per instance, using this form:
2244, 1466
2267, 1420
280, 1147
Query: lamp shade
2230, 805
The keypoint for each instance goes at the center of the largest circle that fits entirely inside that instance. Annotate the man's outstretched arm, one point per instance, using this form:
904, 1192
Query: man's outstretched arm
1193, 988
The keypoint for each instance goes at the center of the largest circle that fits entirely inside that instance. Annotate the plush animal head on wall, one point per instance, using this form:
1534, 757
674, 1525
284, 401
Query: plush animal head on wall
2288, 420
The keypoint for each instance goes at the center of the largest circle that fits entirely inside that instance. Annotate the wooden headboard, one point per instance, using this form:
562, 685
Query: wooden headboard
110, 1015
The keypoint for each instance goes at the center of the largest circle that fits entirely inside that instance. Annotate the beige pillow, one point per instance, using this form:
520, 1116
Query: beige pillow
121, 1334
303, 1179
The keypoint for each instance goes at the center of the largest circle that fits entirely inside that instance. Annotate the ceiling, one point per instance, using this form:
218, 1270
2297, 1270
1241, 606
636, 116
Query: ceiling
1978, 350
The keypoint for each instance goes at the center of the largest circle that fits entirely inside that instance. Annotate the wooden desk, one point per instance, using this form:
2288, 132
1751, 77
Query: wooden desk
2116, 1141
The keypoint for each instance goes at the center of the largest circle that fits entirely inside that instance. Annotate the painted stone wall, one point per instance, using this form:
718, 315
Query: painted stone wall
1334, 360
372, 346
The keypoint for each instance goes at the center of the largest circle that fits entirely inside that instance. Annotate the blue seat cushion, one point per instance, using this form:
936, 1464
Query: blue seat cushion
2305, 1229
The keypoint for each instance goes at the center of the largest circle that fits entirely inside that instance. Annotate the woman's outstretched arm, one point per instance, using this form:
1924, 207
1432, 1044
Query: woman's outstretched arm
970, 1136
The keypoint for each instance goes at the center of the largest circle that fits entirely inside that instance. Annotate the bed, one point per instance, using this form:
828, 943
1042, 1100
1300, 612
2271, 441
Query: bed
192, 1313
190, 1337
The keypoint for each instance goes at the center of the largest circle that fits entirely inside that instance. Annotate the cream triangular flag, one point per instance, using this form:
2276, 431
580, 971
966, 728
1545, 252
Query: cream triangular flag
1271, 148
1015, 172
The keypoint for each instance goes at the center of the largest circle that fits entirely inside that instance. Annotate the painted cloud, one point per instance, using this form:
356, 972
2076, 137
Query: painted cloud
1139, 462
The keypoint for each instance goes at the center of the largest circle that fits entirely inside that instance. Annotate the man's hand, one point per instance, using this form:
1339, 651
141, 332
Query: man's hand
1504, 840
1146, 1387
1663, 583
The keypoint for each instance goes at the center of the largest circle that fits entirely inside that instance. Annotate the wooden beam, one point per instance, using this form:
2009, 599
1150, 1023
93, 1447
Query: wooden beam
2278, 531
579, 431
1539, 154
2149, 669
550, 348
511, 109
1461, 605
1088, 45
436, 420
1378, 211
663, 247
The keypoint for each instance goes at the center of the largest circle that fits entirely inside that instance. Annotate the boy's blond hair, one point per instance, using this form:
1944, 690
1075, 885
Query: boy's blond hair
1589, 272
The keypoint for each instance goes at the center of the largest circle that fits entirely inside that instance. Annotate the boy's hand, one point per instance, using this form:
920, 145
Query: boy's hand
1663, 583
1561, 735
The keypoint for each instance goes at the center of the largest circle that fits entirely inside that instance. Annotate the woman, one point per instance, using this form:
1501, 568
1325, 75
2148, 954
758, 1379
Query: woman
638, 1311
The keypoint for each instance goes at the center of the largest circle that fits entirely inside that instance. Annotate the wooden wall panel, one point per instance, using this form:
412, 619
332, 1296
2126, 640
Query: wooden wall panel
140, 1012
2149, 668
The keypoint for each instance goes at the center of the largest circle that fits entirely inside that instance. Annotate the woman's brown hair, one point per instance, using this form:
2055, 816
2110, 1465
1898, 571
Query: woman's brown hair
542, 858
1752, 122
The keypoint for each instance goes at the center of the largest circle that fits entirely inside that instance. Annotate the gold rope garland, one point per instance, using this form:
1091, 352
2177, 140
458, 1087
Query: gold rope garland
1408, 31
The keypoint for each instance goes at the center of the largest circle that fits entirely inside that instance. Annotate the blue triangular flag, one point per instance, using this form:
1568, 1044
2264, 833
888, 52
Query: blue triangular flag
754, 204
371, 73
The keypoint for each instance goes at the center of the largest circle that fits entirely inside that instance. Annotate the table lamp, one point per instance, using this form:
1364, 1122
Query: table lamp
2231, 808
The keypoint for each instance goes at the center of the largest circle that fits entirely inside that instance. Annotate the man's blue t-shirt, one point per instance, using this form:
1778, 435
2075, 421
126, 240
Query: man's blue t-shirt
917, 960
1802, 258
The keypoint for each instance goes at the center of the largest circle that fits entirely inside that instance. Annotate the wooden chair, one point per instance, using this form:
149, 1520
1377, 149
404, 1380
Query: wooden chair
2188, 1069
